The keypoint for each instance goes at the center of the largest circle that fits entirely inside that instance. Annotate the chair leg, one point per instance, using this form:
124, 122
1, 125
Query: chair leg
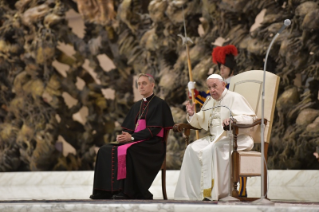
163, 168
235, 174
164, 183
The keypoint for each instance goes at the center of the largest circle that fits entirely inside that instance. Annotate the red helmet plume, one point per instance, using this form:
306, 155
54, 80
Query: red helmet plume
219, 53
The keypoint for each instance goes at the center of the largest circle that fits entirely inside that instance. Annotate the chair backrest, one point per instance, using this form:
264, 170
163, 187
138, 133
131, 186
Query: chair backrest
250, 85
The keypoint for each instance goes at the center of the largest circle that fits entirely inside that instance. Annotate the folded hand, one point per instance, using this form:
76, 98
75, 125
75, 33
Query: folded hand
124, 137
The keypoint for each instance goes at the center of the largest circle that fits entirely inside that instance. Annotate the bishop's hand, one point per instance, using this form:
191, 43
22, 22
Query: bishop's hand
124, 137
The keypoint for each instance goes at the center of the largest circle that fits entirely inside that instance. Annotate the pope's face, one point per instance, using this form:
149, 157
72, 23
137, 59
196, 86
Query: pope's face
145, 87
216, 88
225, 71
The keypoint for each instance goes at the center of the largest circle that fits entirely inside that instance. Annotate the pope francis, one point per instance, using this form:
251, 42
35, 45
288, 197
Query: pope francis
204, 172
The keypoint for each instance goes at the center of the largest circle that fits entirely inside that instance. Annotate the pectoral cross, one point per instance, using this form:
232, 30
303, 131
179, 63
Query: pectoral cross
136, 125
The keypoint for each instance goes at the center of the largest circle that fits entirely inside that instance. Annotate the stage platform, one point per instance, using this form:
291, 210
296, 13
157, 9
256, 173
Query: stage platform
69, 191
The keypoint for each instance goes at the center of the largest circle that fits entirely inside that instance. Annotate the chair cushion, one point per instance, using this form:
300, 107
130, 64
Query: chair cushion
249, 163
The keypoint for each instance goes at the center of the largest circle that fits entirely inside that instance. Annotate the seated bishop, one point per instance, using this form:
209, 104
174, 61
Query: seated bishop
127, 168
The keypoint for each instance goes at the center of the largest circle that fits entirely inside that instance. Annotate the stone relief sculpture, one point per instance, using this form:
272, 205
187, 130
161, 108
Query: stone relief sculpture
141, 36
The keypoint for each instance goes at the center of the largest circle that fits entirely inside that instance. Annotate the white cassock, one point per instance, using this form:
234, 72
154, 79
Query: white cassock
204, 171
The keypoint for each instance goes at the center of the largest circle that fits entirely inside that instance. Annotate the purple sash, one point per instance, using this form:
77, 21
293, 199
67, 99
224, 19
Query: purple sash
121, 150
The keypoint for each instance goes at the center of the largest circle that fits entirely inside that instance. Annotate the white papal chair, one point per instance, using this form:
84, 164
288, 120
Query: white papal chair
250, 84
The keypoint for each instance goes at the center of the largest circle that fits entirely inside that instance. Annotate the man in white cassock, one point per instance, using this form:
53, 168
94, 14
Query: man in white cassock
204, 173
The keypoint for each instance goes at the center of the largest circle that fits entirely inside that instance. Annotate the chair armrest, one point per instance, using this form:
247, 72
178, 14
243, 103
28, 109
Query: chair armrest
185, 128
235, 125
180, 127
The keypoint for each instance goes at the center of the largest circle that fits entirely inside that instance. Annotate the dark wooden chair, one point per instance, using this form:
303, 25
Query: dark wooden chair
248, 163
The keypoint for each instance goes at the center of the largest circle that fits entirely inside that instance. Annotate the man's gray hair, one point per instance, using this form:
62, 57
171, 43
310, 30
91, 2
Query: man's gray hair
151, 79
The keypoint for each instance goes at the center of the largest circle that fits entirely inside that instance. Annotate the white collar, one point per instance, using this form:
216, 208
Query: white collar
145, 99
228, 80
223, 94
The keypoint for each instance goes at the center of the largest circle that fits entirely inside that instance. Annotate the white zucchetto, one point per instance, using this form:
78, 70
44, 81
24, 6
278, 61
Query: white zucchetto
215, 76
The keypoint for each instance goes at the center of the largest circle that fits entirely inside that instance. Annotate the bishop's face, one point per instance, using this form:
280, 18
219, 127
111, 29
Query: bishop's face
216, 88
145, 87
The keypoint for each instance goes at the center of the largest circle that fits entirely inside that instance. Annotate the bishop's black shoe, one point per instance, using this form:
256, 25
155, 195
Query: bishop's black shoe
120, 195
101, 195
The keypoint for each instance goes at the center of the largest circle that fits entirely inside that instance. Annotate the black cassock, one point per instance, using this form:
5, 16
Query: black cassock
143, 160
